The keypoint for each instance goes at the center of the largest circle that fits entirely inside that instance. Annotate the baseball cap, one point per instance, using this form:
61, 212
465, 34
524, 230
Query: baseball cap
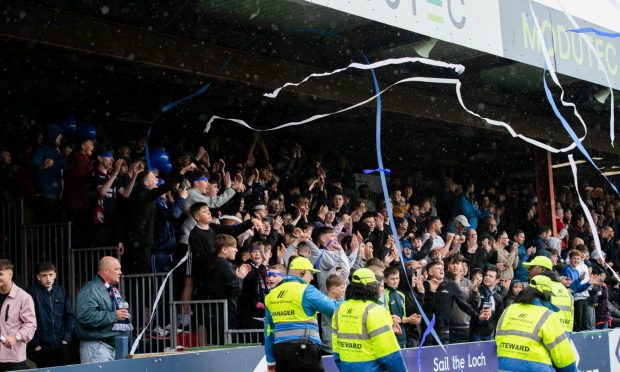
302, 263
540, 261
462, 220
364, 276
542, 283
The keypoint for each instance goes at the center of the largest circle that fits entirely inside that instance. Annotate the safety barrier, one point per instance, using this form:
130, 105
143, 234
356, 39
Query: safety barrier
83, 264
44, 242
245, 336
201, 323
140, 291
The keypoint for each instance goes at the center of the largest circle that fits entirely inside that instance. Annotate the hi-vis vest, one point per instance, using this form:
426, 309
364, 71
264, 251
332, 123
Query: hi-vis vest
362, 332
563, 300
533, 333
285, 305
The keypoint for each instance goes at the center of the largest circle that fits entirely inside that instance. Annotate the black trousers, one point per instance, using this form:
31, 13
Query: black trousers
459, 335
47, 357
290, 358
12, 366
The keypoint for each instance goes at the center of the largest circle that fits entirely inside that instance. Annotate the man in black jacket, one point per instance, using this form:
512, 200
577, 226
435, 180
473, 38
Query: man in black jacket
142, 207
49, 346
440, 295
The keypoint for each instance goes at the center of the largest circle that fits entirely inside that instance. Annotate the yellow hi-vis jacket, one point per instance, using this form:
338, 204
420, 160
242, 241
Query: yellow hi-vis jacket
363, 338
530, 337
563, 300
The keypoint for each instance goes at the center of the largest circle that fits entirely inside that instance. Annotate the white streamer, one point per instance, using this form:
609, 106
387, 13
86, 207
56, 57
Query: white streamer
586, 211
159, 293
360, 66
257, 10
455, 82
612, 135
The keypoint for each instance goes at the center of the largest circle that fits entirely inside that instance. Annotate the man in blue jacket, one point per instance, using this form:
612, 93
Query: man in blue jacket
49, 346
47, 165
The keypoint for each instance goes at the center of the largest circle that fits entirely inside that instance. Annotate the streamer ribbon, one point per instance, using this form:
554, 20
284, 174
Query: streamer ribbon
369, 171
612, 134
135, 344
428, 330
386, 197
586, 212
572, 134
585, 30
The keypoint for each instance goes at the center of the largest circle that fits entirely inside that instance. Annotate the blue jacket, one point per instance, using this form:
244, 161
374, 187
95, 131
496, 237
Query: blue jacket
166, 219
521, 271
48, 182
572, 274
312, 301
468, 208
55, 317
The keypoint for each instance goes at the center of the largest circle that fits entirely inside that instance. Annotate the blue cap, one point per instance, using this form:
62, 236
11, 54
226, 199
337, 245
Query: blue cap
107, 154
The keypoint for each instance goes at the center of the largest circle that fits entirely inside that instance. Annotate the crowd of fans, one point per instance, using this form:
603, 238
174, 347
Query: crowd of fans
242, 211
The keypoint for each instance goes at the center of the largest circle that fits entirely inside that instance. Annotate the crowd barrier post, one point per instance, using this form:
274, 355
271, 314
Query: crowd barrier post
83, 265
45, 242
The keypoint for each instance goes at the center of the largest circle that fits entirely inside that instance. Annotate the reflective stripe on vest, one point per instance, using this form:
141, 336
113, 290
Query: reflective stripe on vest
563, 300
351, 337
531, 335
297, 332
521, 340
285, 304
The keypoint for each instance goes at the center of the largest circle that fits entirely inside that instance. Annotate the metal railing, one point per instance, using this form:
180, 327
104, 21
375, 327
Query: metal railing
11, 222
83, 265
45, 242
200, 323
140, 291
245, 336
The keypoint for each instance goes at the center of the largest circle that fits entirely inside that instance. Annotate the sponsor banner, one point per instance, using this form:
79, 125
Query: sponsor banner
614, 348
591, 350
569, 51
472, 356
506, 29
471, 23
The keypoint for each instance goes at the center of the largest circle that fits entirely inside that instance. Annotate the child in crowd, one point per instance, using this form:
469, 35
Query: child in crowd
335, 290
515, 289
395, 303
226, 282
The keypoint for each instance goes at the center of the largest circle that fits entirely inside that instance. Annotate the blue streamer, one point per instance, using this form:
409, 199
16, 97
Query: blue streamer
586, 30
570, 131
429, 328
386, 196
369, 171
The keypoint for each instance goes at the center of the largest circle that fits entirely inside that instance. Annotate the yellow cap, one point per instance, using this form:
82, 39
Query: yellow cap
302, 263
542, 284
364, 276
540, 261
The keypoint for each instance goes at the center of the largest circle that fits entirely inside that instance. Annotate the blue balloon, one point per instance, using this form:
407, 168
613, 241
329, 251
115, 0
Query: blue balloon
161, 161
87, 131
69, 126
165, 168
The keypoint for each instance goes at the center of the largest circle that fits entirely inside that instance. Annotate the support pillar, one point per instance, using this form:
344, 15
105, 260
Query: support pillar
544, 189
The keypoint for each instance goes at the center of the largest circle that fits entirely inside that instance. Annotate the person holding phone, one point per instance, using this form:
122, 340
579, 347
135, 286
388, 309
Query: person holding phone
492, 304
